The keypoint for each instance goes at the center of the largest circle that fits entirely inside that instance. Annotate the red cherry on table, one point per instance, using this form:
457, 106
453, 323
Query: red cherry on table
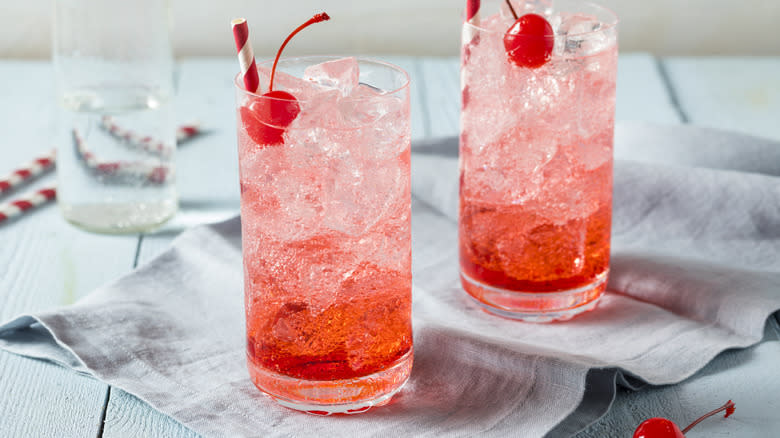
265, 119
658, 428
663, 428
529, 42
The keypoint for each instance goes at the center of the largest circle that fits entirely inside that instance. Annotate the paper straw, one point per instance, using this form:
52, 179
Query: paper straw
26, 172
119, 171
147, 143
472, 11
469, 36
472, 20
246, 57
26, 203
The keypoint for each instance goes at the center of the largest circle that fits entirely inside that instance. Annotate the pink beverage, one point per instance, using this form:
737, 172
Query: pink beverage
538, 106
325, 212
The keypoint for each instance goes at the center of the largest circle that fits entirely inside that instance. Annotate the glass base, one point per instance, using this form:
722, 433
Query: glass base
536, 306
119, 218
326, 397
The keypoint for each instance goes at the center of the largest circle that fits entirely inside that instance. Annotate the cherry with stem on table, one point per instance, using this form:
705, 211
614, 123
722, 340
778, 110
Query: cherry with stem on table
663, 428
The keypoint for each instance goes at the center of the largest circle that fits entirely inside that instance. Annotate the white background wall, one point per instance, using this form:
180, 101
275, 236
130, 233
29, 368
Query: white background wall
421, 27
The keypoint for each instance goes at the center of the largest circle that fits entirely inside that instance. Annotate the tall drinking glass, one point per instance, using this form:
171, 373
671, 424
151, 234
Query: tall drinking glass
114, 86
536, 158
325, 216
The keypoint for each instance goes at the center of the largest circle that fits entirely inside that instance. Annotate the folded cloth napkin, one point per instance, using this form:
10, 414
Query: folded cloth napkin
695, 271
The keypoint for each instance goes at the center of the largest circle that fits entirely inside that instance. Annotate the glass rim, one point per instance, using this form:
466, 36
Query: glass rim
238, 83
612, 23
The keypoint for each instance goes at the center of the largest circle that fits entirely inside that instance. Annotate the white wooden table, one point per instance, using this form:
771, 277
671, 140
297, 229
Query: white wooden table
46, 263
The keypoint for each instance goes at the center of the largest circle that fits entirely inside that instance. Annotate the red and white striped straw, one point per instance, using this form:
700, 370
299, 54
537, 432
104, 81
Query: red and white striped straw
246, 57
472, 18
119, 171
472, 10
147, 143
27, 202
469, 35
35, 167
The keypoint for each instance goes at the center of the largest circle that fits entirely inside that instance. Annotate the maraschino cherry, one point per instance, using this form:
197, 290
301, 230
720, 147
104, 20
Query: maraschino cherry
663, 428
529, 42
277, 108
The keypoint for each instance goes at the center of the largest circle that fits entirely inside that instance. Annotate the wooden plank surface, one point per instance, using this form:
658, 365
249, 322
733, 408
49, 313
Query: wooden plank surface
642, 94
43, 400
127, 416
440, 79
45, 263
739, 94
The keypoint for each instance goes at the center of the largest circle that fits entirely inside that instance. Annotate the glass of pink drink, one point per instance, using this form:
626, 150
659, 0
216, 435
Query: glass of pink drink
325, 216
536, 139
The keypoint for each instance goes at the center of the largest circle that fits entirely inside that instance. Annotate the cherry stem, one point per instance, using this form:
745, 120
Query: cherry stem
729, 407
315, 19
511, 9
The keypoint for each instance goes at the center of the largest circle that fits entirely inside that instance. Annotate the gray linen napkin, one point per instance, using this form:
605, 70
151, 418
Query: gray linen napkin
696, 270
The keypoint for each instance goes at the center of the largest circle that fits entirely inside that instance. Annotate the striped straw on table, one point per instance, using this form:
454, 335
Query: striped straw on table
26, 202
246, 57
26, 172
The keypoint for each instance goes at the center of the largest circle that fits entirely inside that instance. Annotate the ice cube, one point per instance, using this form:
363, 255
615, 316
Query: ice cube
581, 34
543, 7
300, 204
578, 24
317, 110
283, 81
360, 195
522, 7
366, 105
342, 74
